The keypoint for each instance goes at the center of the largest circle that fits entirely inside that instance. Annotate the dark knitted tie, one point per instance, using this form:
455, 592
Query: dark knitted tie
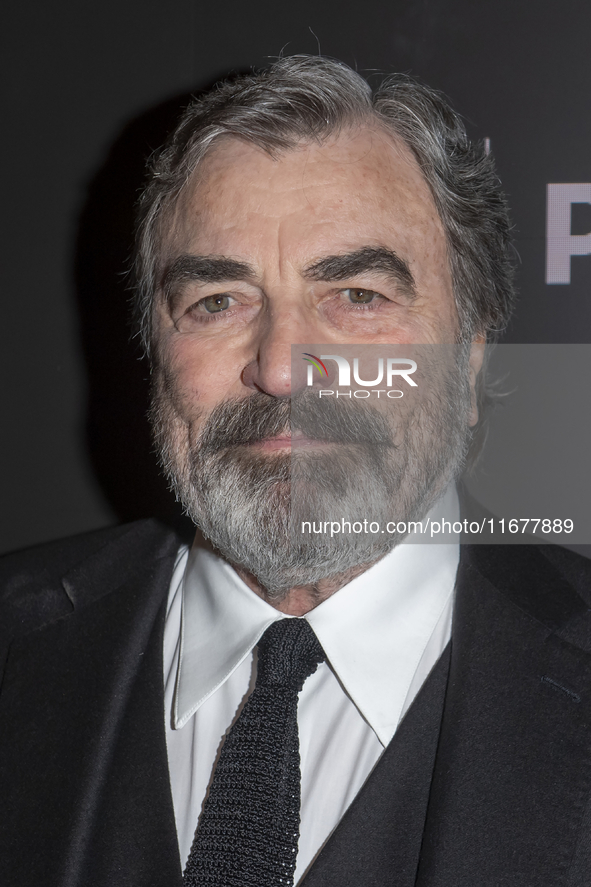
250, 824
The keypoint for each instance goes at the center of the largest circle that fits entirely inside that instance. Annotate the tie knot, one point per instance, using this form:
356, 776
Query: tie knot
289, 652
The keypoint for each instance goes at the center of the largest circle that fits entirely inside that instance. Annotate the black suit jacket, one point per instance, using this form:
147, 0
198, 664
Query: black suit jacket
487, 782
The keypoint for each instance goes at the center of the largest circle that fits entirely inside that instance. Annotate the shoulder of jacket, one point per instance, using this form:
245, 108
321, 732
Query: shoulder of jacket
574, 567
57, 557
31, 589
550, 583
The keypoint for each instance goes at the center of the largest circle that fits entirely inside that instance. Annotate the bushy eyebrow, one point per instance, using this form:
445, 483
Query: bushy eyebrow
379, 259
219, 269
205, 269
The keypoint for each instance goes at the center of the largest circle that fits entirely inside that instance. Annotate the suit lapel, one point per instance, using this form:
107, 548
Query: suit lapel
88, 690
513, 768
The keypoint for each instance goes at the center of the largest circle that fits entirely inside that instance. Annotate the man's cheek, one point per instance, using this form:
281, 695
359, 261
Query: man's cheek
195, 392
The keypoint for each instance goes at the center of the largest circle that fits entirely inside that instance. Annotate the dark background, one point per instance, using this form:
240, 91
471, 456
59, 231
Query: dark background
89, 90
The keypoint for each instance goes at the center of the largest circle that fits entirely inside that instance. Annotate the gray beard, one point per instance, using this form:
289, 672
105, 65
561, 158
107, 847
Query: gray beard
252, 506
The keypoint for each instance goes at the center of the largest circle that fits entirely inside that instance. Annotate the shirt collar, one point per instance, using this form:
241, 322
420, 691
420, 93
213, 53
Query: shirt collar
374, 630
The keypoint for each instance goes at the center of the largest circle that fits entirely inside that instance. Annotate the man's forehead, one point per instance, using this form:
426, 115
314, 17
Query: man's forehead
368, 160
361, 181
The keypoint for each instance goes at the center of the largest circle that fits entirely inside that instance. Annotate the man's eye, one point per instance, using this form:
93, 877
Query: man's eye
215, 304
360, 296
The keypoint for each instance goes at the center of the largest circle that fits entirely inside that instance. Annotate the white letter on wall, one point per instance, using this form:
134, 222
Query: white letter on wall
560, 243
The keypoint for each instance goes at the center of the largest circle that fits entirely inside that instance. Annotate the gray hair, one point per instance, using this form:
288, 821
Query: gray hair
303, 99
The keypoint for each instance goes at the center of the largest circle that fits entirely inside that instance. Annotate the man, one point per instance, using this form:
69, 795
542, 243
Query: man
138, 740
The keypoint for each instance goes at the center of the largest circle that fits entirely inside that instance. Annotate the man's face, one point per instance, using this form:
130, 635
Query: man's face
333, 243
225, 338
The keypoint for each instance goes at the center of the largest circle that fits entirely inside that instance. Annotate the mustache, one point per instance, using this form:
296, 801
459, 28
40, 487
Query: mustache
260, 416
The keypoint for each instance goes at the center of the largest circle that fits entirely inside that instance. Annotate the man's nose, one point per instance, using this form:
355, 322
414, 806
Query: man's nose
279, 367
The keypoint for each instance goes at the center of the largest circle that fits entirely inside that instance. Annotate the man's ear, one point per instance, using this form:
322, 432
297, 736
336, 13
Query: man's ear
476, 359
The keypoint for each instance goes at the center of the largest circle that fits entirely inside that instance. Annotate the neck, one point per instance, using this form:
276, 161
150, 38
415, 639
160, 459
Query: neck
301, 599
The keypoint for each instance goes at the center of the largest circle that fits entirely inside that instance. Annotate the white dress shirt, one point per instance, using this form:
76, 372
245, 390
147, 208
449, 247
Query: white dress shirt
382, 634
